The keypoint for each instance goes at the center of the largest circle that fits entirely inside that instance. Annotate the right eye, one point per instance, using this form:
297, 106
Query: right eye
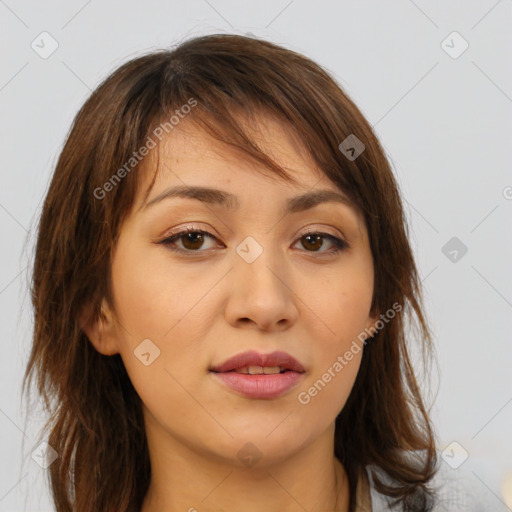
191, 238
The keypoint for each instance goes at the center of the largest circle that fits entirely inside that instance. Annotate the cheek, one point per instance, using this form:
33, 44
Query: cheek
151, 297
327, 389
344, 311
327, 392
154, 302
343, 305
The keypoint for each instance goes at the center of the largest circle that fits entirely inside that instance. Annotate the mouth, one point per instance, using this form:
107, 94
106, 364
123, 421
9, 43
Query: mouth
254, 363
259, 370
259, 376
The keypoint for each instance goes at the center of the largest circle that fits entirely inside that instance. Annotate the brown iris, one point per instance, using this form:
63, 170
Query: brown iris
315, 243
193, 240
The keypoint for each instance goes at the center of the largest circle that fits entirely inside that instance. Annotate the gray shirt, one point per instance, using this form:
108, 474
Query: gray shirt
457, 491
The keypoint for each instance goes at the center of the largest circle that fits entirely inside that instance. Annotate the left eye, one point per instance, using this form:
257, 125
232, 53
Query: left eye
193, 239
313, 238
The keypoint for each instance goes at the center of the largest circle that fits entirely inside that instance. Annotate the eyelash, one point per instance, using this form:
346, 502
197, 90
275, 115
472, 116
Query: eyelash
339, 244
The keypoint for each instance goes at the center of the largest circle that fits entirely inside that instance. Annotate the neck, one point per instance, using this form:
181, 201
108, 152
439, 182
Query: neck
182, 479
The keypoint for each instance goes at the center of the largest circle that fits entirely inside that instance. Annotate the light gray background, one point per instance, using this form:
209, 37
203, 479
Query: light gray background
445, 123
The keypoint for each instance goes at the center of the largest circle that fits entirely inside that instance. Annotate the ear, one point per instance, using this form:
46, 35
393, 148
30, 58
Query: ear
100, 328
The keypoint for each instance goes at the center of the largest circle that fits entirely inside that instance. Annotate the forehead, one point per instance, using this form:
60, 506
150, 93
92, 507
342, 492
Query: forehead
191, 163
190, 154
273, 137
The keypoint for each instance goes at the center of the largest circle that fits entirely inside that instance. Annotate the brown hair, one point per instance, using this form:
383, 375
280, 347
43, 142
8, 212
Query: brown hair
96, 422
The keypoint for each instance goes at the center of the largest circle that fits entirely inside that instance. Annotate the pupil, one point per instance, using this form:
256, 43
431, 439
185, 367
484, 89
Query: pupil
317, 237
196, 239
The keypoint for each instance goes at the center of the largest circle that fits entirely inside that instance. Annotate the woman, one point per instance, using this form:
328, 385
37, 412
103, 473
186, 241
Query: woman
222, 286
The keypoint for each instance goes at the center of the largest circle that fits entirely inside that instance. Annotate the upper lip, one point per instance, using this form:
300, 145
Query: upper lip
253, 358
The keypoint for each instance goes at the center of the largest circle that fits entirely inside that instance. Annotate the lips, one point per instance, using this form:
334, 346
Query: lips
279, 359
260, 376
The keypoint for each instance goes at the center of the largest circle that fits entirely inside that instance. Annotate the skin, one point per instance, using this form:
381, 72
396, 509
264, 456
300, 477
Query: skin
203, 309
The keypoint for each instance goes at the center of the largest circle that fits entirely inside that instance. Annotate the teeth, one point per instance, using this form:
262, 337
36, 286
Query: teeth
259, 370
272, 369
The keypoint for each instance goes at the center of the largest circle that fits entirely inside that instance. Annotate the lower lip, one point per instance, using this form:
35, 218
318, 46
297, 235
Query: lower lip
260, 386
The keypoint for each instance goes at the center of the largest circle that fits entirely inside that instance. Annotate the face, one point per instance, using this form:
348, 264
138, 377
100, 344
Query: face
251, 276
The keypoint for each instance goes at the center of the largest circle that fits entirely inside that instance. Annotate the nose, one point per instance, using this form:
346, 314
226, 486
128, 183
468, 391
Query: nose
261, 295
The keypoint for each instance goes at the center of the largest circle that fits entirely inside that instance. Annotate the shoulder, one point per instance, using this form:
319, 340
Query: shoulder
454, 488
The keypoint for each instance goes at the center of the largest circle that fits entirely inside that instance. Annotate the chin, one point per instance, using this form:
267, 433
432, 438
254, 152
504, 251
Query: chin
255, 443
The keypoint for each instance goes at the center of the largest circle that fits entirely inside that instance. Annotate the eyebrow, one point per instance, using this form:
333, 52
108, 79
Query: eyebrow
230, 201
